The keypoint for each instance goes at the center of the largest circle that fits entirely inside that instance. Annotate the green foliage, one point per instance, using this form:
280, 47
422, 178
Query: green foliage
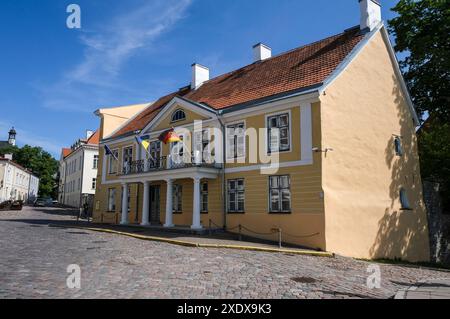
41, 163
434, 146
422, 30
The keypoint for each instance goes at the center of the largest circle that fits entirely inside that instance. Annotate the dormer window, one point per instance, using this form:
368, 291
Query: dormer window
398, 146
178, 115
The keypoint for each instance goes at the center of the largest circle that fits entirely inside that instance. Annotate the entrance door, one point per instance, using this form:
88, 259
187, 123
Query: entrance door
155, 205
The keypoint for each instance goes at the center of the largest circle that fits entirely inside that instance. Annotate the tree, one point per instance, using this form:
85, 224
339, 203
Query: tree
40, 162
435, 156
422, 30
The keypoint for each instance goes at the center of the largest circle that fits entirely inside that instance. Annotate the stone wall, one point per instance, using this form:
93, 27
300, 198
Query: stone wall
438, 223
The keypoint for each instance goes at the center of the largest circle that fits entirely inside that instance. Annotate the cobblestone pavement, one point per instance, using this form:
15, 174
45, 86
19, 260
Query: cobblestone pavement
34, 259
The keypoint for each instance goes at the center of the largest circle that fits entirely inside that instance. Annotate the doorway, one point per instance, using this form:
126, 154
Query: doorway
155, 205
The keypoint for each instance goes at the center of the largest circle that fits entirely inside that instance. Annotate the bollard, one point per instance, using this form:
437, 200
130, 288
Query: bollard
279, 237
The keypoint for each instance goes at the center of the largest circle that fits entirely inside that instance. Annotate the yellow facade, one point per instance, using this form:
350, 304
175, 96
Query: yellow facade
344, 201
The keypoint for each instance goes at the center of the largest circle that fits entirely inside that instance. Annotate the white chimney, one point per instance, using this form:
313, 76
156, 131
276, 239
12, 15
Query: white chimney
261, 52
200, 74
89, 134
370, 14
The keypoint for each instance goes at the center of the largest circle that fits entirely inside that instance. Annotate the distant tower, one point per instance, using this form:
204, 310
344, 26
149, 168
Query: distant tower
12, 137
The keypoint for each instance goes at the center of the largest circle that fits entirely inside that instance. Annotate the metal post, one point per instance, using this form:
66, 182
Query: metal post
279, 237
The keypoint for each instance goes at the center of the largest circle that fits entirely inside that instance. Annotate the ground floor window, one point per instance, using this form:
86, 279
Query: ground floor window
236, 196
204, 197
112, 200
177, 198
280, 194
404, 201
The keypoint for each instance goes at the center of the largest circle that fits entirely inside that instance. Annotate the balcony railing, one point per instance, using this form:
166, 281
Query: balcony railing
169, 163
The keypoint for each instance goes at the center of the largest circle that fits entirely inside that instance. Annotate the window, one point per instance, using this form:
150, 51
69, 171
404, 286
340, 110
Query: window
404, 201
280, 194
127, 158
95, 163
94, 183
112, 200
178, 115
278, 133
113, 162
80, 166
201, 146
236, 196
177, 198
204, 197
79, 184
155, 153
235, 141
75, 165
398, 146
177, 151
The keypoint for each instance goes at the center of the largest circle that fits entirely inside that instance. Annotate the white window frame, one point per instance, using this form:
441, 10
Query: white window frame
280, 190
178, 111
227, 150
266, 139
124, 149
111, 200
111, 160
236, 191
95, 162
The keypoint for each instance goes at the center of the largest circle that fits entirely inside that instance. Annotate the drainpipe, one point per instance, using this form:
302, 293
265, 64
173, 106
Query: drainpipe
224, 200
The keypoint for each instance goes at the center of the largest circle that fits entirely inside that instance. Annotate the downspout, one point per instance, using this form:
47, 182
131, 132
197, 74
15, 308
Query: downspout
224, 200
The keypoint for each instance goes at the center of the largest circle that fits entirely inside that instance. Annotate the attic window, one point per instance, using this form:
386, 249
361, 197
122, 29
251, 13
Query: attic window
178, 115
398, 146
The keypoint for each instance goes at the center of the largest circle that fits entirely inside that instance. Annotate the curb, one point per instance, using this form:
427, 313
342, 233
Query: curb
200, 245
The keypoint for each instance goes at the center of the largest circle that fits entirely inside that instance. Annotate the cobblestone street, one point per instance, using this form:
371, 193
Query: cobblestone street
34, 259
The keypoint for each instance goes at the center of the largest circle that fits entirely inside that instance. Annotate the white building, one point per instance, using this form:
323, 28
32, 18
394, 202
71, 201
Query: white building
78, 172
16, 182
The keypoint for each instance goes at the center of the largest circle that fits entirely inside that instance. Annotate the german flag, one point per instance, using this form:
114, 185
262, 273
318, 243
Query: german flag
169, 136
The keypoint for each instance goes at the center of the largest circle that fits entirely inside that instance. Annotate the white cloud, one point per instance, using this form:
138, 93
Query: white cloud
96, 79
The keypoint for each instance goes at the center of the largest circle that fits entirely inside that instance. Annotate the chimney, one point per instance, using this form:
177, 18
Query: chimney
89, 133
261, 52
370, 14
200, 74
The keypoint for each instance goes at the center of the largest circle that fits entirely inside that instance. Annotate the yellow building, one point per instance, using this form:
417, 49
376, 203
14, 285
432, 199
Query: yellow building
318, 142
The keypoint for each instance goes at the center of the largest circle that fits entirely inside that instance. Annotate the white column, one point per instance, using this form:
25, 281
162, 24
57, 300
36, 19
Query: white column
169, 204
146, 205
196, 210
124, 219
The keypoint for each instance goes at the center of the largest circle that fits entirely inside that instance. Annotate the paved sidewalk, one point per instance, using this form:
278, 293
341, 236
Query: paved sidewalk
427, 289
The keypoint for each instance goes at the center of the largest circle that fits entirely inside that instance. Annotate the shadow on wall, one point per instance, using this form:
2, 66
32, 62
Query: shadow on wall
403, 234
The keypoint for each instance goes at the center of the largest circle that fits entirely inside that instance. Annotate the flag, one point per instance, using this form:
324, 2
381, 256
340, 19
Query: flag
144, 141
169, 136
109, 152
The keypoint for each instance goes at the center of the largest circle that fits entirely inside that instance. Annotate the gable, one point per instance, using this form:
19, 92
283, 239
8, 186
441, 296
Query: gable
167, 123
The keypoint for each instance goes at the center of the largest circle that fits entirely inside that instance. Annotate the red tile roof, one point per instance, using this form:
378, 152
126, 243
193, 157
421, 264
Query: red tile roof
300, 68
95, 138
66, 152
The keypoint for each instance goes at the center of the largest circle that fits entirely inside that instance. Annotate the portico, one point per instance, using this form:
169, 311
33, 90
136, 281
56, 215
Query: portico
169, 178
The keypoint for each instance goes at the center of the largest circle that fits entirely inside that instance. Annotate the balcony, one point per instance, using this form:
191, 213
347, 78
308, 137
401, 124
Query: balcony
165, 163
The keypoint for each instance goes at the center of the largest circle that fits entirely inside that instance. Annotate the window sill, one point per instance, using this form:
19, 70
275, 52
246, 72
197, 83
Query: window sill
204, 213
280, 213
177, 213
235, 213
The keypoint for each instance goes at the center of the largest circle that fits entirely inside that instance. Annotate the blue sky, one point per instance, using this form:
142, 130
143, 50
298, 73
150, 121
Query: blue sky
53, 78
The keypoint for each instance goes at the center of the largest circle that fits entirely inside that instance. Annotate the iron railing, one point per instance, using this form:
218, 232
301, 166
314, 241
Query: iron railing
169, 163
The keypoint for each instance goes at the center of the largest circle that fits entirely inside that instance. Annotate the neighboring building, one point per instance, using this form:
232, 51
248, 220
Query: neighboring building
336, 121
78, 172
16, 182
